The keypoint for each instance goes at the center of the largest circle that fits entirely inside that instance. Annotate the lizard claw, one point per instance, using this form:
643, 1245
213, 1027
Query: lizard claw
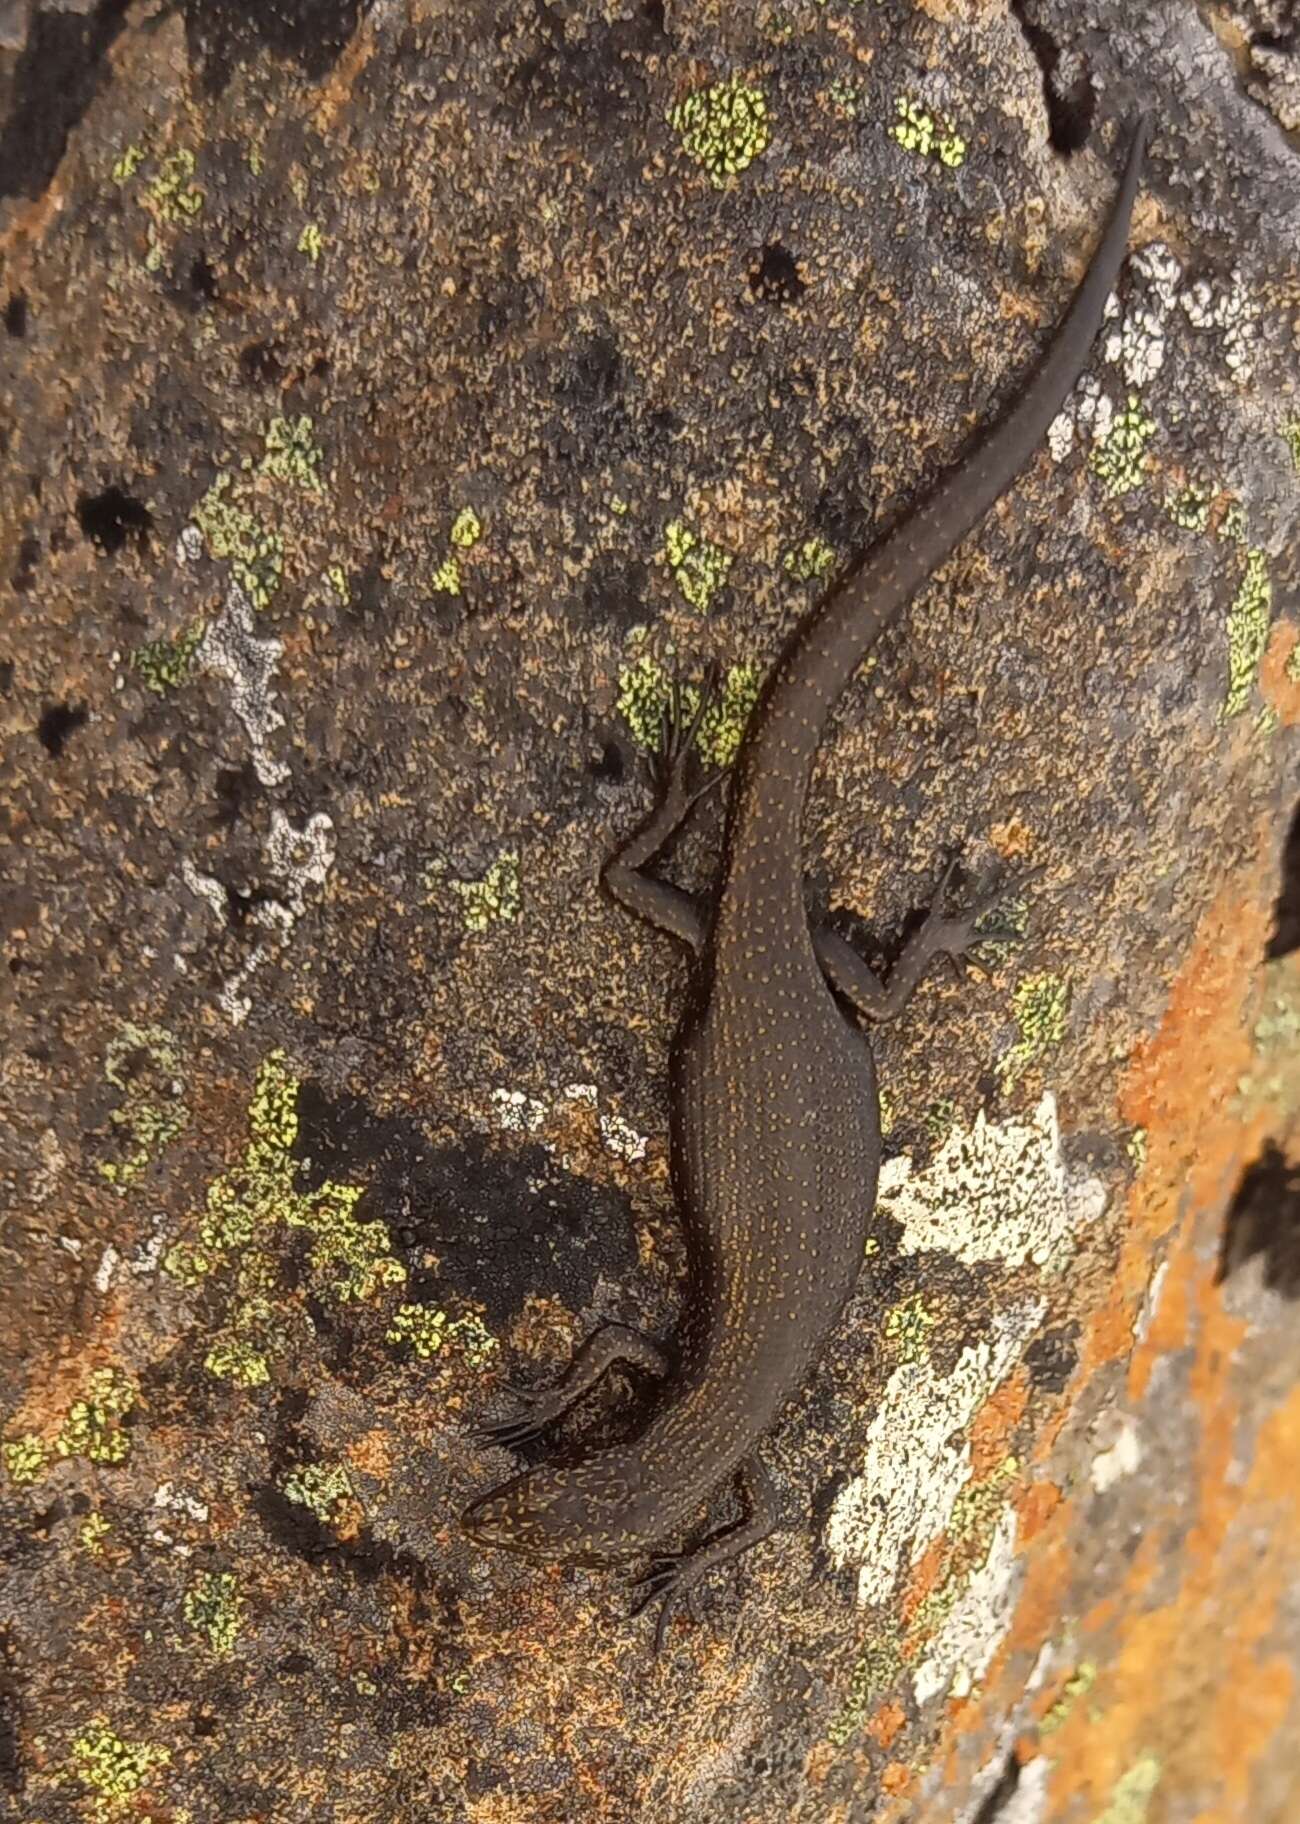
537, 1409
675, 760
955, 933
660, 1580
507, 1434
670, 1579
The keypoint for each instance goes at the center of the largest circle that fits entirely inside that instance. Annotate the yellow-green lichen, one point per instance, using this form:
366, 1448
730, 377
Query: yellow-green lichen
809, 560
247, 1208
1277, 1030
214, 1608
337, 578
876, 1670
975, 1513
165, 664
973, 1522
494, 899
851, 100
1080, 1682
724, 128
723, 723
1131, 1795
467, 528
1120, 459
25, 1459
1293, 664
1232, 524
1136, 1147
93, 1531
172, 195
234, 1359
114, 1770
1189, 507
311, 242
254, 551
643, 695
939, 1117
917, 130
291, 453
319, 1487
93, 1427
1291, 436
699, 566
425, 1331
1276, 1034
1249, 619
446, 578
144, 1063
645, 698
908, 1328
1041, 1003
128, 163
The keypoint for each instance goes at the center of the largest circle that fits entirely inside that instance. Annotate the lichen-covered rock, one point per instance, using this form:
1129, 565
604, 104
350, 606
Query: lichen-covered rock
396, 399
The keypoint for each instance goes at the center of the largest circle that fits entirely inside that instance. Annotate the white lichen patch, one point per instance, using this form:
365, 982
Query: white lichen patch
958, 1656
232, 647
1150, 1304
917, 1461
1088, 410
517, 1113
297, 864
1136, 339
1230, 312
1122, 1458
1028, 1803
996, 1191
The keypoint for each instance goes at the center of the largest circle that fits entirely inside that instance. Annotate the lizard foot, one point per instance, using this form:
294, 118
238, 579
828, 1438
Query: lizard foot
539, 1407
954, 933
675, 1574
674, 766
670, 1578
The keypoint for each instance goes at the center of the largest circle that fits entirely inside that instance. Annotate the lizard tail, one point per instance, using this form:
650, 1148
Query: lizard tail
831, 642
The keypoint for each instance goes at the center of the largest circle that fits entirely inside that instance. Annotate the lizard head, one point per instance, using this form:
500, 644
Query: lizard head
583, 1513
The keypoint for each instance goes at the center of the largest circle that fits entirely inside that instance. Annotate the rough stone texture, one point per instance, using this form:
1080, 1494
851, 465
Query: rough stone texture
367, 373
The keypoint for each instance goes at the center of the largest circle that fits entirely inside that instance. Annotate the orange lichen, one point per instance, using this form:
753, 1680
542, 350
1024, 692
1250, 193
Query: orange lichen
1198, 1654
885, 1724
995, 1423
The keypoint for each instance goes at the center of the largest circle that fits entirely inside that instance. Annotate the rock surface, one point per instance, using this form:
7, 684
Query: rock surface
391, 397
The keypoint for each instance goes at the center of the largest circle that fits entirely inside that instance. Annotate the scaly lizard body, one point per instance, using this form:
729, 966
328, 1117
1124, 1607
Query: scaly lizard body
775, 1111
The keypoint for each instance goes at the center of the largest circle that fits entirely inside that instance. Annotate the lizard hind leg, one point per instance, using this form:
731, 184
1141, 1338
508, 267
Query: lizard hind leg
674, 1575
536, 1408
945, 931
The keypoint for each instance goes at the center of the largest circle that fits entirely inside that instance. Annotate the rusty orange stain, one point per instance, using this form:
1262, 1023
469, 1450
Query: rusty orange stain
885, 1724
1187, 1675
1035, 1504
1279, 690
925, 1575
994, 1423
896, 1778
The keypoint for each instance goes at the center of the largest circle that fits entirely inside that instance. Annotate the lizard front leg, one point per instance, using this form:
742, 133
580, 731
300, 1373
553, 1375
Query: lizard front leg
540, 1407
656, 901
